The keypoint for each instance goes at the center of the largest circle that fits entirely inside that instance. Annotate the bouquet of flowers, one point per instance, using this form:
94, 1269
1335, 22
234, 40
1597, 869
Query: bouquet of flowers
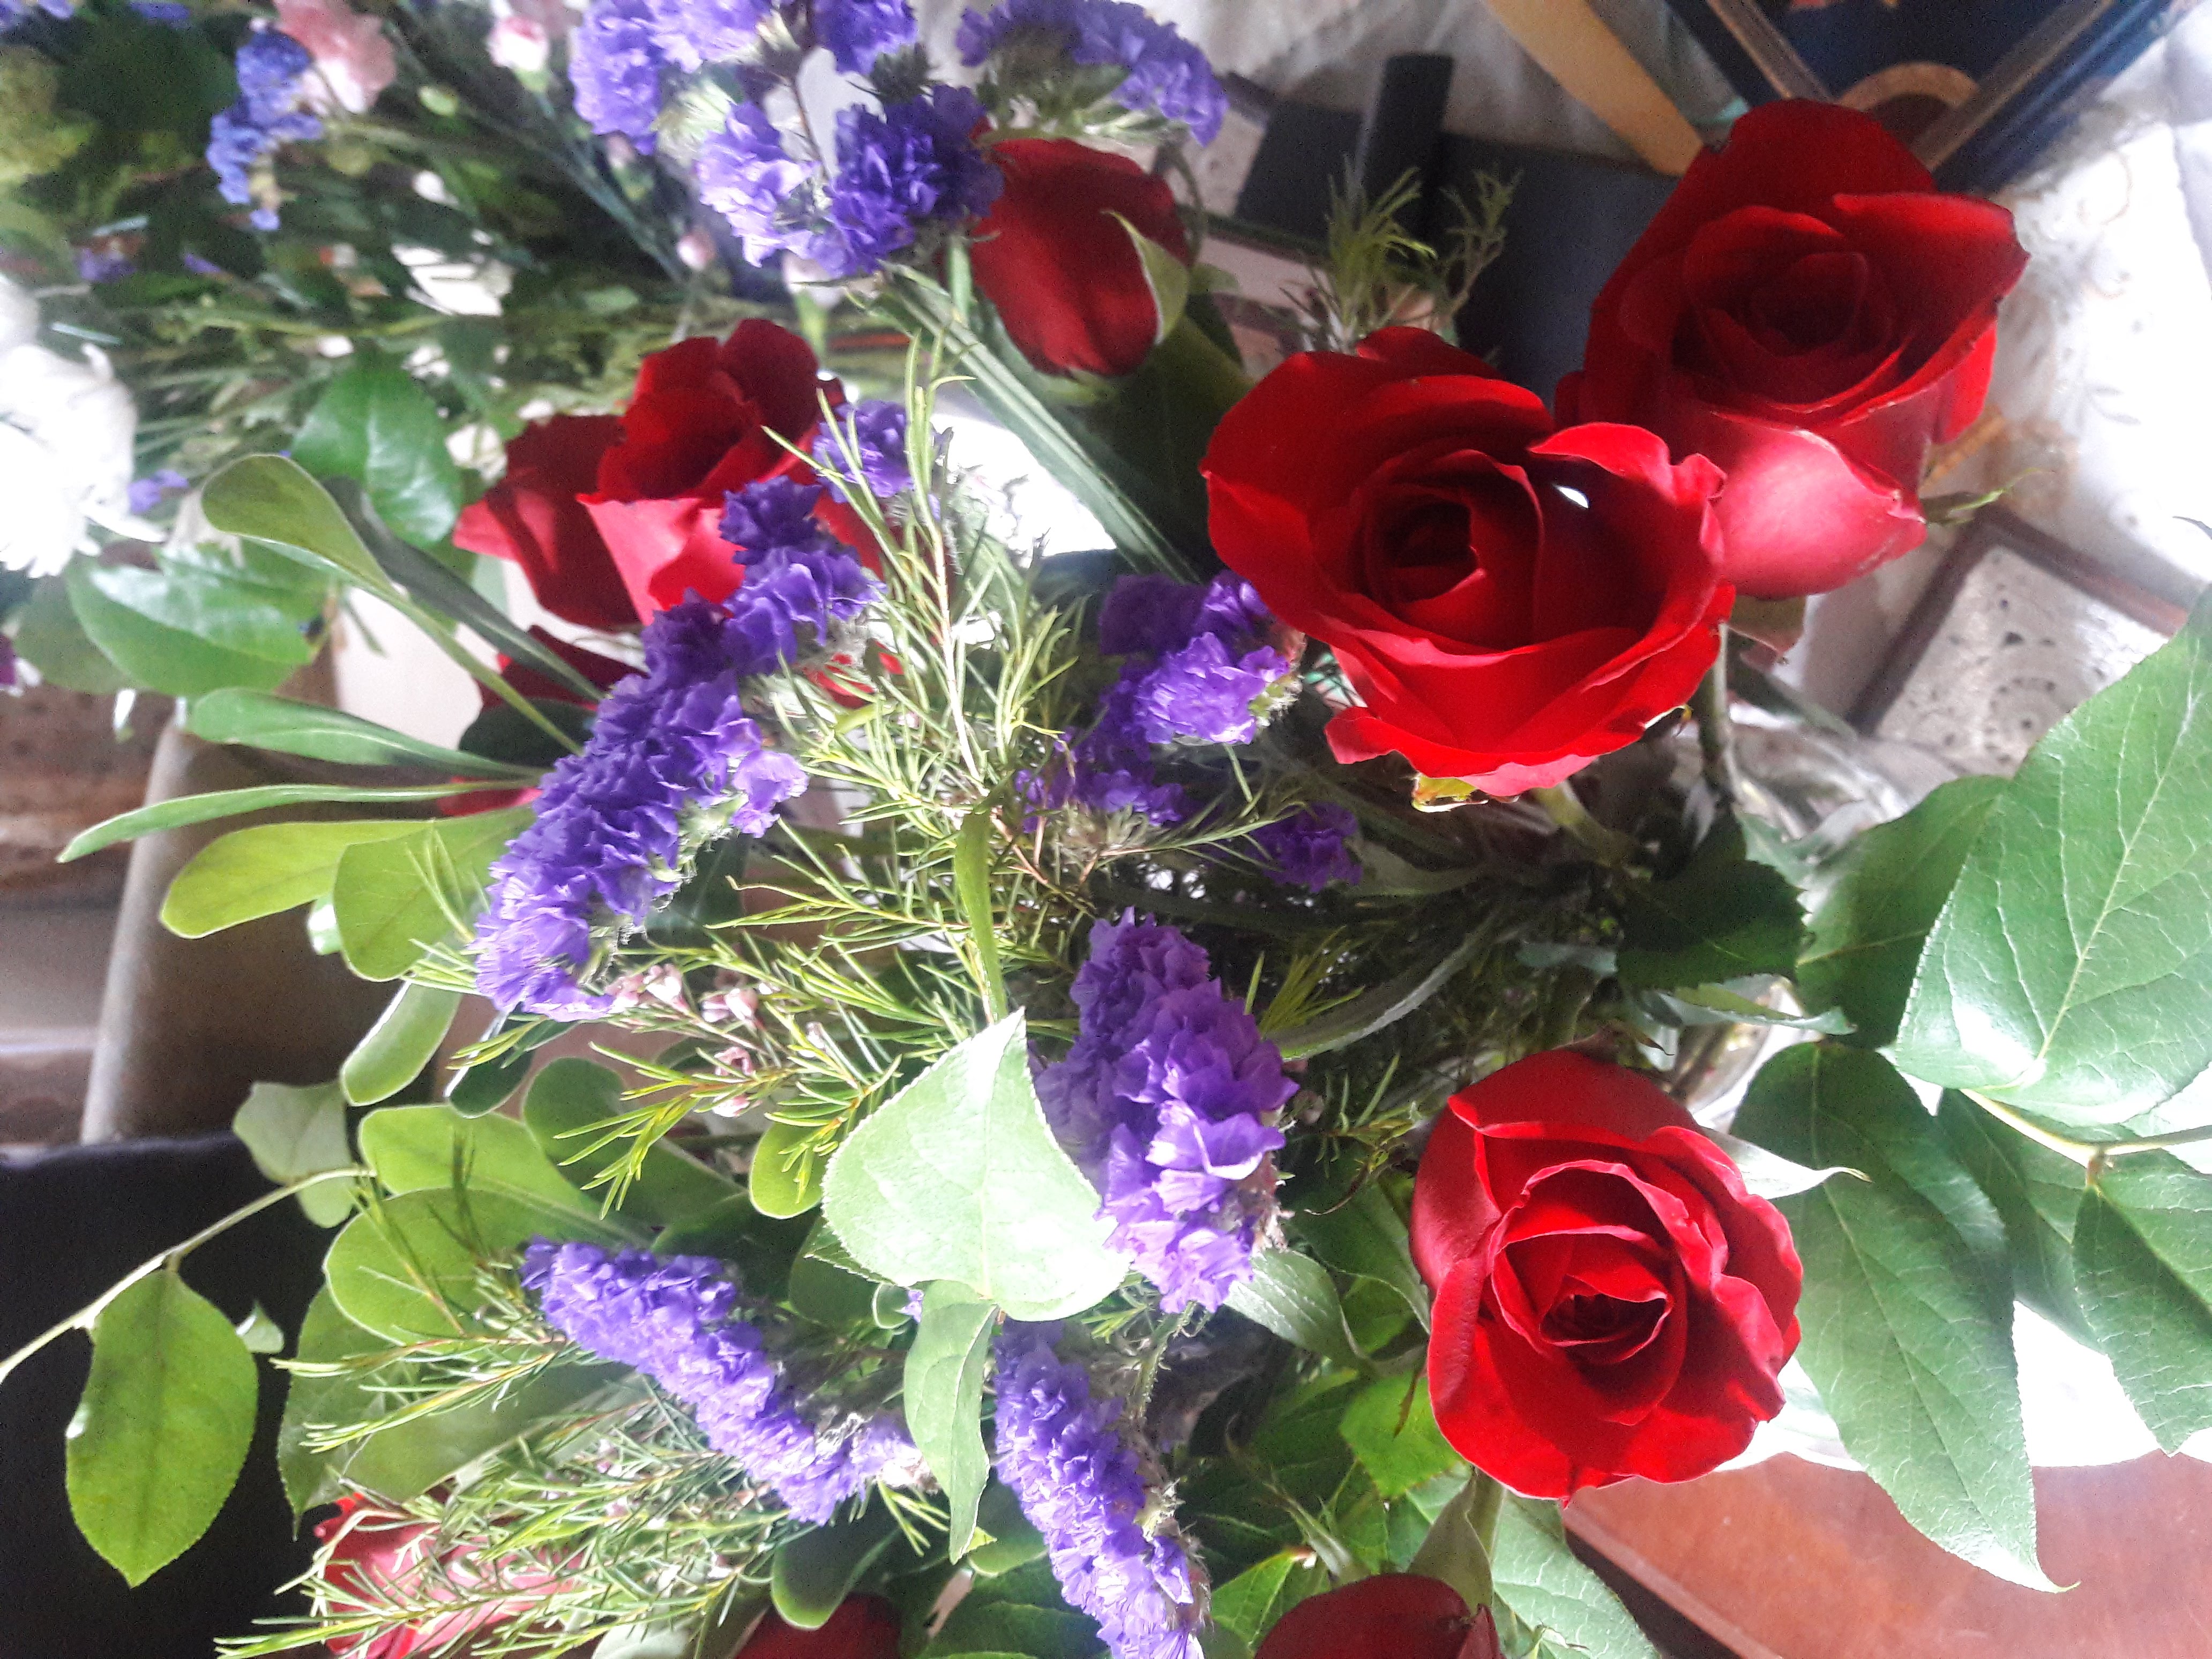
1181, 1097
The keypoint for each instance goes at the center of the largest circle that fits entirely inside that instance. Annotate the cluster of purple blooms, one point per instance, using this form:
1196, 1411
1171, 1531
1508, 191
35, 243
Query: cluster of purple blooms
272, 69
1311, 847
677, 1321
672, 760
1080, 1485
1167, 1101
1166, 74
876, 427
13, 12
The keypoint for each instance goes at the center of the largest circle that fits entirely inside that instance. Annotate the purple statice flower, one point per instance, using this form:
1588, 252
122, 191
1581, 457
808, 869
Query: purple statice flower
916, 161
1205, 693
745, 175
672, 758
197, 266
98, 265
271, 69
858, 32
1167, 1101
616, 59
800, 583
1061, 1452
13, 12
170, 14
677, 1321
1309, 848
1163, 72
876, 428
692, 33
148, 493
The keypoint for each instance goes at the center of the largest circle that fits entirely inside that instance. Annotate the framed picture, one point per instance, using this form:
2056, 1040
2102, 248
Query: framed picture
1977, 88
2013, 631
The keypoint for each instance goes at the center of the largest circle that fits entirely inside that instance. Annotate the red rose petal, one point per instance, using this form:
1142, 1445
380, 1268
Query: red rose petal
1403, 1615
531, 517
667, 550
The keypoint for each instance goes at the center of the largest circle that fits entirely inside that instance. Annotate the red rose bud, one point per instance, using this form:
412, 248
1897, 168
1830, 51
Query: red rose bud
1397, 1615
1610, 1300
863, 1627
614, 520
1068, 279
1509, 602
1811, 314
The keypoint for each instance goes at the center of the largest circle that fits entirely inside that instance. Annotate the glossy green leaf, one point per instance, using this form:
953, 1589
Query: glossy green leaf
1457, 1550
944, 1397
1249, 1603
1366, 1237
2142, 1264
2036, 1192
163, 1426
1014, 1540
236, 715
817, 1570
274, 500
1293, 1295
264, 869
1722, 916
397, 898
1392, 1430
163, 652
394, 1050
49, 637
488, 1084
785, 1178
1890, 885
260, 1333
1765, 1175
1020, 1613
415, 1149
407, 1269
2070, 971
567, 1100
959, 1177
375, 425
1536, 1579
293, 1132
828, 1287
233, 803
1906, 1335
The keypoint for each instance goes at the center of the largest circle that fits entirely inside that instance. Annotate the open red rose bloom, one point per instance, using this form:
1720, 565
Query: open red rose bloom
1509, 601
1393, 1615
1810, 313
1610, 1300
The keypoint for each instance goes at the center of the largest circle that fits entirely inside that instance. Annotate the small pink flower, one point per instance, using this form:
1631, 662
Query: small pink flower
352, 56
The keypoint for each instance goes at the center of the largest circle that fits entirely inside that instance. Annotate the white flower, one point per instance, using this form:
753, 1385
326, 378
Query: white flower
65, 444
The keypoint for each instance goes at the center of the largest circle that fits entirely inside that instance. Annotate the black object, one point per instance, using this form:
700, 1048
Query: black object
1571, 220
1979, 88
72, 1222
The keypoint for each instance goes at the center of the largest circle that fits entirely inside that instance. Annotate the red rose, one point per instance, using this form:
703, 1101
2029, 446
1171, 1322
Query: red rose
1610, 1300
863, 1627
1509, 602
1068, 281
1396, 1615
1808, 312
615, 519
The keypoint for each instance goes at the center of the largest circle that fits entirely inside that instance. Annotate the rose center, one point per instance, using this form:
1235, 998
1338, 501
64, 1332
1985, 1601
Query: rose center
1455, 554
1817, 300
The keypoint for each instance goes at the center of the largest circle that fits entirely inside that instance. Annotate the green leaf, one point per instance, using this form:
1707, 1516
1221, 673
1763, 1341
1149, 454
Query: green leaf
162, 651
2143, 1262
972, 878
1722, 1004
1890, 885
163, 1427
1166, 277
1364, 1236
1250, 1602
1392, 1430
566, 1100
236, 715
1456, 1551
274, 500
1374, 1009
1014, 1540
817, 1570
260, 1333
1766, 1174
826, 1285
1722, 917
397, 898
944, 1395
399, 1045
1018, 1613
375, 425
299, 1132
1539, 1581
1906, 1337
1293, 1295
785, 1178
2036, 1192
49, 636
232, 803
265, 869
959, 1177
424, 1149
2072, 970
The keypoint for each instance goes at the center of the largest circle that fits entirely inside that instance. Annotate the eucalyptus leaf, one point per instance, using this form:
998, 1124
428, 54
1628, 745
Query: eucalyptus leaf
2142, 1265
393, 1052
163, 1427
266, 722
1293, 1295
264, 869
2070, 971
959, 1177
567, 1101
182, 810
785, 1178
1538, 1580
397, 898
944, 1395
1907, 1331
294, 1132
1890, 885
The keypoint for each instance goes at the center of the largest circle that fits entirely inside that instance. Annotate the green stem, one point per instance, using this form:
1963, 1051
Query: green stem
1709, 704
479, 670
1565, 808
85, 1317
2089, 1153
